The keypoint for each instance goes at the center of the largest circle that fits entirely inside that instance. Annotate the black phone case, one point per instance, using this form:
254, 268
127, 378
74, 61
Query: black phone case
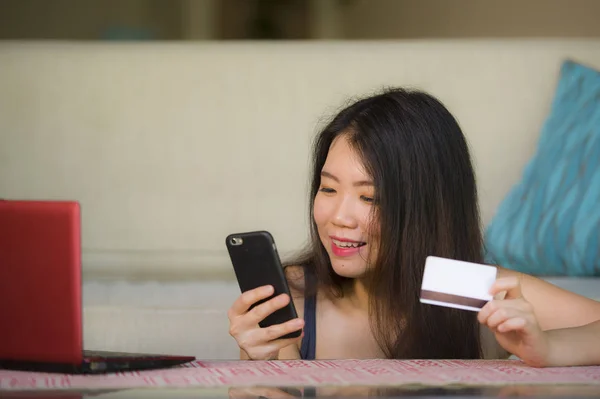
256, 263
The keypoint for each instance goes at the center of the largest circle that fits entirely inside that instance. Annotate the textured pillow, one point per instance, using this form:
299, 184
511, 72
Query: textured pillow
549, 224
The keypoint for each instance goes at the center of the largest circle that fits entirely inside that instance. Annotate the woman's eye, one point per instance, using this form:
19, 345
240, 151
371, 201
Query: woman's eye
327, 190
366, 199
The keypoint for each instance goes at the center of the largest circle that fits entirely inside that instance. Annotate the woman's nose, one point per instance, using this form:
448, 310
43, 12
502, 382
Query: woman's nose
344, 215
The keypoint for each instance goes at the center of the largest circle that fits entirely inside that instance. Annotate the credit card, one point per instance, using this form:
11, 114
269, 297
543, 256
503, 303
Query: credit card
457, 284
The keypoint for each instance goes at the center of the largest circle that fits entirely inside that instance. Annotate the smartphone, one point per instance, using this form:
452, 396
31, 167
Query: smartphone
256, 263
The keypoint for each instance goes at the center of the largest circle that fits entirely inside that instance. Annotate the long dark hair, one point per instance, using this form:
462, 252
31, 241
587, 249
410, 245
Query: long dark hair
425, 204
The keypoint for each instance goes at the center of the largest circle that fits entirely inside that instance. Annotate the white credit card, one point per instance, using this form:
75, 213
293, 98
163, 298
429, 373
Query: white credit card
457, 284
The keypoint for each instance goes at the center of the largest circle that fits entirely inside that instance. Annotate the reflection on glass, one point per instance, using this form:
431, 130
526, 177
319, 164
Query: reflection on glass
412, 391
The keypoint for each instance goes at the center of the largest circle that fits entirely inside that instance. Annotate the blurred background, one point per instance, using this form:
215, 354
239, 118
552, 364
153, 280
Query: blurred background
296, 19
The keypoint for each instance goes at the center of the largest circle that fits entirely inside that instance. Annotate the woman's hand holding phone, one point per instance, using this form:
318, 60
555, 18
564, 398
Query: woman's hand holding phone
261, 343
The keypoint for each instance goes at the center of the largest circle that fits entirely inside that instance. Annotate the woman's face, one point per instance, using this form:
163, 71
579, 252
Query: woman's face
343, 211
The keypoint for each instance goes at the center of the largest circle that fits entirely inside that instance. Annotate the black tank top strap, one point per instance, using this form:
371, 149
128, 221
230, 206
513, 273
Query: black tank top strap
309, 341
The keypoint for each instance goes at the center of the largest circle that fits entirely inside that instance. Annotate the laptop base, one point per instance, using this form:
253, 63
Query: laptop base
96, 366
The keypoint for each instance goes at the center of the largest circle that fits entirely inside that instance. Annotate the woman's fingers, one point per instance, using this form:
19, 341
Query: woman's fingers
511, 285
515, 324
500, 316
270, 337
279, 330
260, 312
496, 312
247, 299
487, 310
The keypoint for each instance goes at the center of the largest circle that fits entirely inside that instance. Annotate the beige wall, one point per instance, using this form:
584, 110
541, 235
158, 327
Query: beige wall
170, 148
370, 19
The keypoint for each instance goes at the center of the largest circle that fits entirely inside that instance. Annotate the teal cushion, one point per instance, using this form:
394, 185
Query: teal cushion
549, 223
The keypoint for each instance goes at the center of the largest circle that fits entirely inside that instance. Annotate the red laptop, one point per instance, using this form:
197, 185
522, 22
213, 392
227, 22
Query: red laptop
40, 294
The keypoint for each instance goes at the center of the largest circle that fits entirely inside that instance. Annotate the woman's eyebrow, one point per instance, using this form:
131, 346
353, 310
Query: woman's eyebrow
356, 184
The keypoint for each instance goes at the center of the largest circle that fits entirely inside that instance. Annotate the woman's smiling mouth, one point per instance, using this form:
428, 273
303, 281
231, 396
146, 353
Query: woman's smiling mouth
344, 247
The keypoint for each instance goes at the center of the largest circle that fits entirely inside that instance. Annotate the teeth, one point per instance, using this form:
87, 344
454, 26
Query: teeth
344, 244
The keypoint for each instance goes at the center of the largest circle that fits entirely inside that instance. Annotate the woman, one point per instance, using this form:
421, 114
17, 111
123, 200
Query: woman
392, 183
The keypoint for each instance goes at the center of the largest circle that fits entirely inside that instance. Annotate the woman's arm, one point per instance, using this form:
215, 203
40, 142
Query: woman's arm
554, 307
576, 346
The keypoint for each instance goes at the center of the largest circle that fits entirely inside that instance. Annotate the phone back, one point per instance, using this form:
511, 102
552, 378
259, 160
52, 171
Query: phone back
256, 263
